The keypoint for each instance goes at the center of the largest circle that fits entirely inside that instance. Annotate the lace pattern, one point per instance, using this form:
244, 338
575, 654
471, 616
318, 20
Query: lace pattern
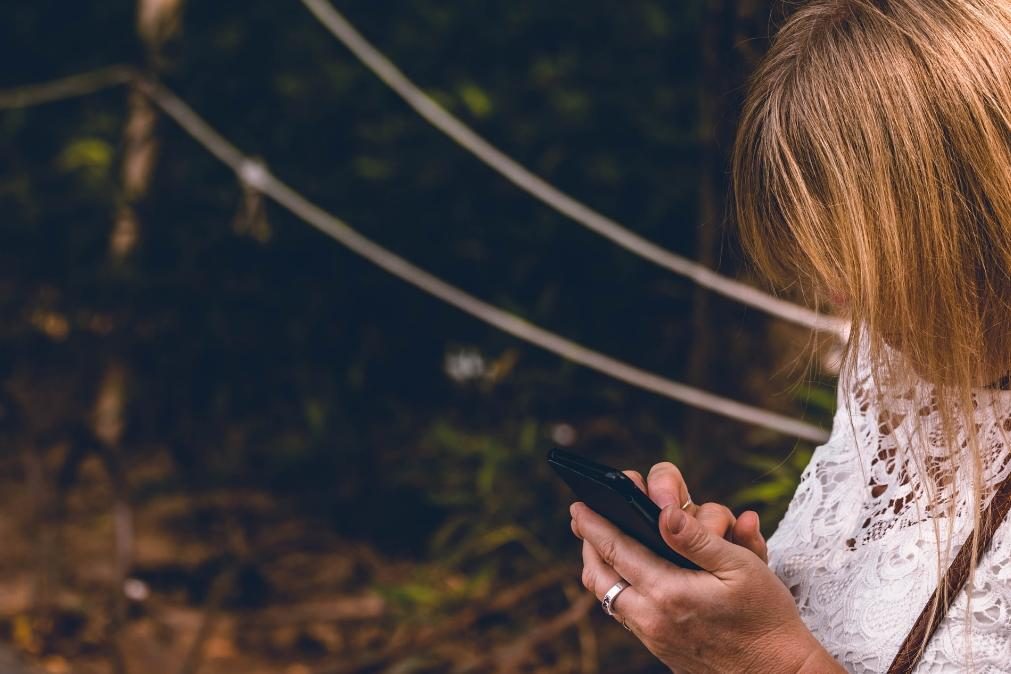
858, 546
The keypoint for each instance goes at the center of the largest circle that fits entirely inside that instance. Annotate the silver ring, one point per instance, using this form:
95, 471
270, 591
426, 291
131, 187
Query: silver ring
687, 503
607, 603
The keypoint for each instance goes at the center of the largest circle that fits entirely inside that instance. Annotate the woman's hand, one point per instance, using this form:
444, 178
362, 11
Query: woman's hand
665, 486
734, 616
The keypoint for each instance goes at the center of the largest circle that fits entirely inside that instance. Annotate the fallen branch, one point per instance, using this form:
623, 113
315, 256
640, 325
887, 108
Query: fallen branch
362, 607
507, 658
220, 589
588, 656
502, 601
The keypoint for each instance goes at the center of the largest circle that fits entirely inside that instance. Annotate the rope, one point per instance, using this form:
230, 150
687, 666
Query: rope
509, 168
66, 87
257, 176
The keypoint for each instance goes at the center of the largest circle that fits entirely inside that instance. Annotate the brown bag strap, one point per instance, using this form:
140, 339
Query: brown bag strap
958, 573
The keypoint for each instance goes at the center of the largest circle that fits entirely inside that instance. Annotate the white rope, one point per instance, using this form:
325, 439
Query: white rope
257, 176
66, 87
467, 138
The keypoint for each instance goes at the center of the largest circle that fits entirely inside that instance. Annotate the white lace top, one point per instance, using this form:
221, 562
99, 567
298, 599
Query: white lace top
857, 546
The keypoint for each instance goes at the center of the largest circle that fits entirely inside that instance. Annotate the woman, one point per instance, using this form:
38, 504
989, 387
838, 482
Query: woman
873, 164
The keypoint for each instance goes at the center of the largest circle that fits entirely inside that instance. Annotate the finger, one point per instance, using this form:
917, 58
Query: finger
717, 519
628, 557
747, 532
686, 536
598, 578
666, 486
636, 477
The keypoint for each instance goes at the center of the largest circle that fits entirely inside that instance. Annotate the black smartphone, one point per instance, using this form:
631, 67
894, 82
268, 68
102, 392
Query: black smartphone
611, 494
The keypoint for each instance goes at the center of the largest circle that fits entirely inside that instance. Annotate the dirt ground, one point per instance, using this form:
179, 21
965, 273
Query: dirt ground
229, 581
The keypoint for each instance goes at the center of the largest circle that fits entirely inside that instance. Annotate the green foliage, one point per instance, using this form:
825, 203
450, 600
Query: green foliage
291, 365
434, 591
487, 468
774, 479
371, 168
820, 399
476, 99
90, 160
771, 490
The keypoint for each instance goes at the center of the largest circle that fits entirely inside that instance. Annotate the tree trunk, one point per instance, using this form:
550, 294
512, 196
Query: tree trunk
158, 22
712, 116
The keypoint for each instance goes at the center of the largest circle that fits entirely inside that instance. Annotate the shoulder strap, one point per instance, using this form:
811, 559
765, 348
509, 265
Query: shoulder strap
956, 577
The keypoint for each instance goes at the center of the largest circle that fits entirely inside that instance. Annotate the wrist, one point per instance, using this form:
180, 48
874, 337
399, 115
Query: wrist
796, 651
819, 661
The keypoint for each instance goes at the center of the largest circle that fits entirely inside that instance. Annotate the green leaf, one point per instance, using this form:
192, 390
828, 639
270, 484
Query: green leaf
90, 156
821, 398
478, 102
768, 492
372, 168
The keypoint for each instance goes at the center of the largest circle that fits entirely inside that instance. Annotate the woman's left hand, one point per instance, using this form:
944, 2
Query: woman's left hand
734, 616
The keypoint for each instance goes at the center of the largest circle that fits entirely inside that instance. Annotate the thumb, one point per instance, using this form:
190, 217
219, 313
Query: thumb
747, 532
686, 536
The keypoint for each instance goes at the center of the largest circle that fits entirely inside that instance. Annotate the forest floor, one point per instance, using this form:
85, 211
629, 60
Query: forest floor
228, 581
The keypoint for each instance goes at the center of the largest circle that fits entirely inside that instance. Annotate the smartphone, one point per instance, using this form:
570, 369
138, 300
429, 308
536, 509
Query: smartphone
611, 494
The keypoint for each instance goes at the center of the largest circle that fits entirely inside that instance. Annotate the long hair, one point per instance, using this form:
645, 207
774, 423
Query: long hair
873, 161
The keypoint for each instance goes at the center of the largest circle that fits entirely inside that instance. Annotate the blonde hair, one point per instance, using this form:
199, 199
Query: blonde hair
873, 160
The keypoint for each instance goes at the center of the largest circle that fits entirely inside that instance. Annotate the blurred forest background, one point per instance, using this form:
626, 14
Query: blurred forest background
229, 445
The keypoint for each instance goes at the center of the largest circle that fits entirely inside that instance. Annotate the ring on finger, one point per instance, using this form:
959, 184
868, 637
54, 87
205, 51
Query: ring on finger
607, 603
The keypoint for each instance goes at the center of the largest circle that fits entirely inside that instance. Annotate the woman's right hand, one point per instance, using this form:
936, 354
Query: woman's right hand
665, 486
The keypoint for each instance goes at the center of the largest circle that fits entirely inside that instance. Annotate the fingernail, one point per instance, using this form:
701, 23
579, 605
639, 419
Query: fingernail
572, 509
677, 519
758, 527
